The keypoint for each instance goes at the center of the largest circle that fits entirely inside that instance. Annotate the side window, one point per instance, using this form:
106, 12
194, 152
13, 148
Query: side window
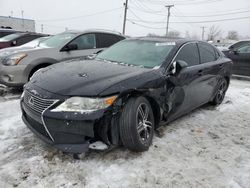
244, 49
106, 40
25, 39
207, 53
86, 41
189, 53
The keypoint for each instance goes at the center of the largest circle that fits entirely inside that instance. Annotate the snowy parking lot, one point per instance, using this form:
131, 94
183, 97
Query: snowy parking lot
209, 147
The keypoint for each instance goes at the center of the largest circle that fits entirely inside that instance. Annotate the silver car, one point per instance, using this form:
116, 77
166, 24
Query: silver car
17, 66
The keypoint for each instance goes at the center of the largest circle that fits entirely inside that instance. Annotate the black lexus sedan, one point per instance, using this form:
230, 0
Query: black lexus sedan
124, 94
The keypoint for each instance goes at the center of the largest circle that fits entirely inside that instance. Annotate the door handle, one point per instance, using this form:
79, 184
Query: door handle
200, 72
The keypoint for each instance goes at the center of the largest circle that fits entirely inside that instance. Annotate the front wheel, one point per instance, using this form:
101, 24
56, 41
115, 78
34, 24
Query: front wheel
221, 91
137, 124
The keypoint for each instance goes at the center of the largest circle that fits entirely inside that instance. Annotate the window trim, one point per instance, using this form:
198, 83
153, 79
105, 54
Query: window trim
178, 51
214, 49
80, 36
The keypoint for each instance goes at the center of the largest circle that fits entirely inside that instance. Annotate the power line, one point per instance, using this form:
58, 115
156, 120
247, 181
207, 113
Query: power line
204, 21
219, 20
149, 27
77, 17
184, 2
214, 15
193, 16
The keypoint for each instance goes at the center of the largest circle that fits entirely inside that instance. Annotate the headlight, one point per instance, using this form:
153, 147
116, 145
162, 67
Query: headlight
82, 104
14, 59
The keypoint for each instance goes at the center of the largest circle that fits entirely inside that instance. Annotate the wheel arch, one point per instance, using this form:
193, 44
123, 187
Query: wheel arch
37, 67
153, 102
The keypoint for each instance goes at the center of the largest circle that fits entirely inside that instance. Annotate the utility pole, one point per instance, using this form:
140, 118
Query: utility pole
22, 12
41, 28
125, 17
169, 7
203, 32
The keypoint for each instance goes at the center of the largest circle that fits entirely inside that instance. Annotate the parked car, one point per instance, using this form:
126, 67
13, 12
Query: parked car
30, 45
240, 55
17, 68
125, 93
4, 32
17, 39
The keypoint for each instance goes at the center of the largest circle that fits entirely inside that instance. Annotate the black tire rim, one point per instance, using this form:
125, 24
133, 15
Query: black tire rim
144, 123
221, 91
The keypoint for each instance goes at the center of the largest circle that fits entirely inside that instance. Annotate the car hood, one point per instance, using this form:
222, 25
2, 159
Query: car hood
12, 50
88, 78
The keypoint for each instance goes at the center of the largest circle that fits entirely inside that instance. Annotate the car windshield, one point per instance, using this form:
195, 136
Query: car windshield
148, 54
10, 37
58, 40
35, 42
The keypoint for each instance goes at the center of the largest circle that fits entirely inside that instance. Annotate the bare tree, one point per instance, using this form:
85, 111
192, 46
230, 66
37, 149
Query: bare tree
214, 32
173, 34
233, 35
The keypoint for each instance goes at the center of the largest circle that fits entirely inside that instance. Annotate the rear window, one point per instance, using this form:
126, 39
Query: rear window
207, 53
106, 40
11, 37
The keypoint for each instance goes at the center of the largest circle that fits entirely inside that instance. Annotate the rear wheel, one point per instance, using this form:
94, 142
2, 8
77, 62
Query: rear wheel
221, 91
137, 124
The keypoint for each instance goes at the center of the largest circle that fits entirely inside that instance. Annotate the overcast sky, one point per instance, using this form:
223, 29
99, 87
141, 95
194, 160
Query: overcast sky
146, 16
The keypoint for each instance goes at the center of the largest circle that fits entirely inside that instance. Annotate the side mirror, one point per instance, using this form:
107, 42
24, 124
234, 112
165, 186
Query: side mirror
70, 47
13, 43
235, 52
92, 56
177, 67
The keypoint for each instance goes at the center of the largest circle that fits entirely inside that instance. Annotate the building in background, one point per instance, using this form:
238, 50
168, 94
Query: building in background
19, 24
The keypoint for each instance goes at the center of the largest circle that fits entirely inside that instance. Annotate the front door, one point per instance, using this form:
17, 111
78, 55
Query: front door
183, 88
86, 45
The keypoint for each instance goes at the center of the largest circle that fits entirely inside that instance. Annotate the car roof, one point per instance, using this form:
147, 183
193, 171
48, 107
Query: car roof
165, 39
94, 31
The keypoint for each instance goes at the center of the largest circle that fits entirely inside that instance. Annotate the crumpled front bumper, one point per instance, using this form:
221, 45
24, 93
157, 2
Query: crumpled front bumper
69, 132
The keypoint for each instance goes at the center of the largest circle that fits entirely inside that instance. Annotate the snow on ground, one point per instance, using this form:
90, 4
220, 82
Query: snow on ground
210, 147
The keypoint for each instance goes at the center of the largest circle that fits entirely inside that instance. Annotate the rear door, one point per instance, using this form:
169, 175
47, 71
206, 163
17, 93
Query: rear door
86, 46
209, 70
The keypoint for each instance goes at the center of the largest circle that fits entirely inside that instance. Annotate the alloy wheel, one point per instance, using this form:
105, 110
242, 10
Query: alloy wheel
221, 91
144, 123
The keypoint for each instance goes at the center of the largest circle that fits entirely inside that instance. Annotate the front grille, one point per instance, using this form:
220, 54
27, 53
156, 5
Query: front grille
38, 127
36, 103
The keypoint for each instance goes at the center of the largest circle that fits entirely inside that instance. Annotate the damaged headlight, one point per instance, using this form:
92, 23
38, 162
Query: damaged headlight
82, 104
14, 59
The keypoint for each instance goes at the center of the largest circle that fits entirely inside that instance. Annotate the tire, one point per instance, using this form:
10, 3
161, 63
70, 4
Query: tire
137, 128
221, 91
34, 71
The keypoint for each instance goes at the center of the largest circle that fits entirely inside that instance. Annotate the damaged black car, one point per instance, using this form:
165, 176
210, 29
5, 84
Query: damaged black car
124, 94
